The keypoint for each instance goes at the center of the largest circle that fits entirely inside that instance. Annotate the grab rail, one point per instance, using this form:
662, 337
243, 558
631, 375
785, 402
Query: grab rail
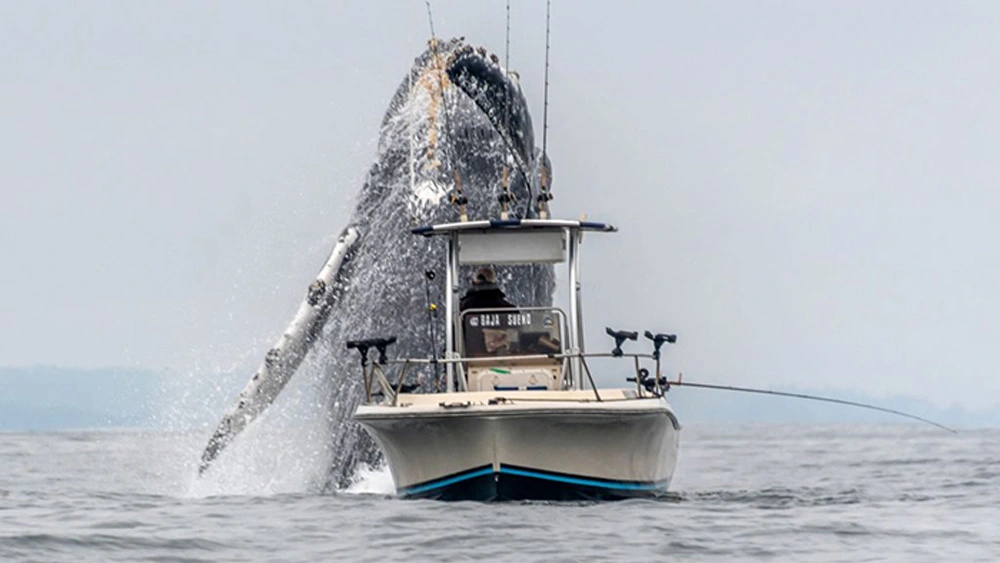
376, 373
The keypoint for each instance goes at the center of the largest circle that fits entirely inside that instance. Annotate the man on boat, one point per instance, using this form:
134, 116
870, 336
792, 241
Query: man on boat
484, 293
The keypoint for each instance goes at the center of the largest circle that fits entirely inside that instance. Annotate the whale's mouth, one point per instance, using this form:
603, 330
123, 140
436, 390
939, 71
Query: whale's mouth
457, 105
497, 94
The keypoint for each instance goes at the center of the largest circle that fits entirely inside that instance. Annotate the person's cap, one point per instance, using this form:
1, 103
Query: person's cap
484, 274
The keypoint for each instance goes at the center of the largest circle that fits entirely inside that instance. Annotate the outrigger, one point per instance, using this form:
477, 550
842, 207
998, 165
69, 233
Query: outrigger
520, 415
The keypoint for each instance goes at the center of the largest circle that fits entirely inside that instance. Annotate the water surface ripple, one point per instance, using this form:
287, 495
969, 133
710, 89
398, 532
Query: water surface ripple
742, 492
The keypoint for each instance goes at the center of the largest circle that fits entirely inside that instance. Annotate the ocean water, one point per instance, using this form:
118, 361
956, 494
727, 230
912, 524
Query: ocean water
892, 492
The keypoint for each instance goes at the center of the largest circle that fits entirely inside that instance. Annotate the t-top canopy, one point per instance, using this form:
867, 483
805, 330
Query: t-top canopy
513, 225
512, 241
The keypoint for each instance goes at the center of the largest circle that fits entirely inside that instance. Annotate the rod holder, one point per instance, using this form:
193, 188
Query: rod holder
363, 346
543, 203
620, 337
658, 340
504, 199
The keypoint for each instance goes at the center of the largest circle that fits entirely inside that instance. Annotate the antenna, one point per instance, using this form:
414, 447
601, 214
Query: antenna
544, 196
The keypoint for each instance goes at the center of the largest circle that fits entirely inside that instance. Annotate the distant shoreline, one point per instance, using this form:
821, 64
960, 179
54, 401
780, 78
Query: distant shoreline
49, 398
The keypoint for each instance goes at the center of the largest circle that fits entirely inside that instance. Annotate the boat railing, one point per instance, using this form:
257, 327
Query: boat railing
378, 385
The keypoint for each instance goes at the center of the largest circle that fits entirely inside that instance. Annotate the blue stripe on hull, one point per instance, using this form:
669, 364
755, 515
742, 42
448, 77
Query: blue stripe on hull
447, 481
618, 485
522, 483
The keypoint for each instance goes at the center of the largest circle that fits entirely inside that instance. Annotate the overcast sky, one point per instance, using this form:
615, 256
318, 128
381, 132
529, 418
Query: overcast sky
806, 191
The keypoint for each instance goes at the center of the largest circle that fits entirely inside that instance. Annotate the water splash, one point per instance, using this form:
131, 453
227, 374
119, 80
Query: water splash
372, 481
458, 112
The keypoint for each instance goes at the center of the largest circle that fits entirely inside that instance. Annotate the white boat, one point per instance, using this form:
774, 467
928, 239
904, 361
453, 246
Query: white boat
519, 415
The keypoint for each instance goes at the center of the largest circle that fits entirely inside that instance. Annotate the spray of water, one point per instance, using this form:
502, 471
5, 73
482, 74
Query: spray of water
458, 112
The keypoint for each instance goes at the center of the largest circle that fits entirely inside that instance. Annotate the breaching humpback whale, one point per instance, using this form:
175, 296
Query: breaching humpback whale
457, 132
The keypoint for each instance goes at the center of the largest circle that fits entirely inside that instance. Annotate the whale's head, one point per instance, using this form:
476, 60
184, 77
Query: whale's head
458, 122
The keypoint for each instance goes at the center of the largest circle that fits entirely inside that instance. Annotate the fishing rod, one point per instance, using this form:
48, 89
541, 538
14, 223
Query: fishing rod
544, 193
505, 198
659, 385
681, 383
429, 276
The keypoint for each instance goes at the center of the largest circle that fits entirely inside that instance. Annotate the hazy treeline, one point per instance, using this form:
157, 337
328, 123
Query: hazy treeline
54, 398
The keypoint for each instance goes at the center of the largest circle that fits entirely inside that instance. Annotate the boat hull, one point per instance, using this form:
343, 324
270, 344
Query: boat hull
526, 447
518, 483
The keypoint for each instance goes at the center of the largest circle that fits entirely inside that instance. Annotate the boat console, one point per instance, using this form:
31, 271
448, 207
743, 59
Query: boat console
524, 342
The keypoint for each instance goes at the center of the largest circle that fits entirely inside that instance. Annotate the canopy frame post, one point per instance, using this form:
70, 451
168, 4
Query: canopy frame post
451, 283
573, 266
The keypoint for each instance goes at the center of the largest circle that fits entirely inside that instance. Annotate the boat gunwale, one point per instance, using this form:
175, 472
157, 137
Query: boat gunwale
538, 409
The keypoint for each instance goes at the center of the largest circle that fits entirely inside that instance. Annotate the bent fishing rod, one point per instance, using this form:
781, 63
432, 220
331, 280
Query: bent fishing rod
660, 384
681, 383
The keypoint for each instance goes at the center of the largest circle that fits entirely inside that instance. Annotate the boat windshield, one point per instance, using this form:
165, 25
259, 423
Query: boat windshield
511, 332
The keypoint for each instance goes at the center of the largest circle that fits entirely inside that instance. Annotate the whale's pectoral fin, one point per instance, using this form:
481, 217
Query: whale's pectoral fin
284, 359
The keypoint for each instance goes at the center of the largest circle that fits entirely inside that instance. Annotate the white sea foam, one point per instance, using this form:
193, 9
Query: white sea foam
372, 481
